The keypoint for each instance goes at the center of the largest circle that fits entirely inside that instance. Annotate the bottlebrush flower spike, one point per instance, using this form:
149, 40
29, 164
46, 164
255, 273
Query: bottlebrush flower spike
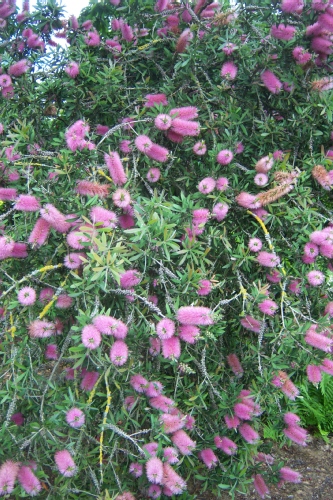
136, 469
317, 340
154, 389
260, 485
41, 329
171, 455
232, 422
39, 233
130, 278
255, 245
18, 68
27, 203
327, 366
119, 353
87, 188
290, 475
189, 333
153, 174
116, 168
165, 328
226, 445
153, 99
158, 153
267, 259
139, 383
185, 113
207, 185
72, 69
172, 480
292, 6
162, 403
205, 287
110, 326
29, 482
229, 70
75, 418
283, 32
55, 218
194, 315
268, 307
296, 434
51, 351
248, 200
248, 433
171, 348
224, 157
171, 423
89, 380
183, 40
143, 143
320, 174
8, 194
313, 373
107, 218
251, 324
183, 442
65, 463
8, 474
208, 457
315, 278
6, 247
91, 337
121, 198
271, 82
235, 365
185, 127
163, 121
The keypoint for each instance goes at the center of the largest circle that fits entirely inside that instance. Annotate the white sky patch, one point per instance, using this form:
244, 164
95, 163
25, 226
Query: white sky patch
73, 7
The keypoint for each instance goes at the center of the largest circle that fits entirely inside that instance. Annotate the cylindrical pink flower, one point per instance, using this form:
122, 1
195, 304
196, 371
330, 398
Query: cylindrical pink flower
163, 121
271, 82
171, 455
40, 232
220, 211
165, 328
291, 419
110, 326
242, 411
205, 287
183, 442
119, 353
260, 485
185, 127
290, 475
27, 203
248, 433
51, 351
224, 157
171, 423
55, 218
229, 70
186, 112
153, 174
8, 194
158, 153
194, 315
292, 6
17, 69
72, 69
232, 422
313, 373
171, 347
199, 148
130, 278
107, 218
247, 200
8, 474
251, 324
283, 32
75, 418
208, 457
268, 307
116, 168
189, 333
267, 259
41, 329
235, 365
173, 484
296, 434
29, 482
139, 383
226, 445
155, 346
65, 463
89, 380
327, 366
317, 340
91, 337
26, 296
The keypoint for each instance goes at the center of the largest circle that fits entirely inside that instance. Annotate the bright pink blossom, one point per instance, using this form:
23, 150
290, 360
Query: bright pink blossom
139, 383
235, 365
183, 442
92, 39
172, 481
226, 445
189, 333
119, 353
72, 69
229, 70
296, 434
251, 324
91, 337
121, 198
268, 307
116, 168
75, 418
136, 469
51, 351
315, 278
220, 211
171, 455
313, 373
255, 244
232, 422
163, 121
271, 82
130, 278
318, 340
27, 203
26, 296
8, 474
260, 485
208, 457
171, 423
224, 157
171, 347
292, 6
283, 32
29, 482
207, 185
153, 99
205, 287
165, 328
41, 329
56, 219
185, 127
194, 315
185, 113
19, 68
110, 326
65, 463
89, 380
162, 403
199, 148
248, 433
267, 259
290, 475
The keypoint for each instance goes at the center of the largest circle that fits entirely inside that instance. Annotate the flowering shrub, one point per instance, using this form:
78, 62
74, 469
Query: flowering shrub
166, 243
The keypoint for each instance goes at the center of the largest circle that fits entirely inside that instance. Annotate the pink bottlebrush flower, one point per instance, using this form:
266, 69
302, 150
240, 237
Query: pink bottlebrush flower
189, 333
315, 278
76, 239
327, 366
321, 45
87, 188
163, 121
165, 328
19, 251
255, 244
326, 250
158, 153
265, 458
326, 20
107, 218
207, 185
185, 113
121, 198
5, 81
329, 309
69, 373
172, 481
92, 39
1, 128
162, 403
239, 148
143, 143
271, 82
290, 390
102, 129
242, 411
267, 259
278, 155
124, 146
51, 351
205, 287
153, 174
8, 473
27, 203
185, 127
295, 286
6, 247
189, 422
260, 486
290, 475
154, 491
74, 24
136, 469
224, 157
171, 423
155, 346
229, 48
317, 340
8, 194
19, 68
283, 32
311, 249
72, 69
127, 495
129, 402
264, 165
130, 278
232, 422
7, 92
296, 434
110, 326
194, 315
208, 457
226, 445
222, 183
161, 5
17, 418
318, 237
313, 373
64, 301
127, 32
154, 389
89, 380
308, 260
116, 168
229, 70
200, 215
199, 148
139, 383
29, 482
75, 418
174, 137
183, 40
292, 6
219, 211
183, 442
65, 463
26, 296
91, 337
171, 455
153, 99
301, 55
55, 218
235, 365
251, 324
248, 433
268, 307
261, 179
247, 200
46, 294
171, 347
41, 329
151, 448
119, 353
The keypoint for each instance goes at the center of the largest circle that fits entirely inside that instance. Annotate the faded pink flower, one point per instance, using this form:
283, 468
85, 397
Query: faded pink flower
136, 469
232, 422
26, 296
208, 457
183, 40
72, 69
155, 346
51, 351
171, 455
290, 475
139, 383
283, 32
41, 329
165, 328
121, 198
89, 380
207, 185
271, 82
260, 485
8, 474
194, 315
119, 353
315, 278
251, 324
75, 418
64, 301
91, 337
224, 157
116, 168
65, 463
205, 287
235, 365
267, 259
183, 442
189, 333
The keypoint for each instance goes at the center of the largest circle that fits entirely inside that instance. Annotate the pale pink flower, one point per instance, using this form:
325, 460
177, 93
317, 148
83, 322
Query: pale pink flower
8, 474
265, 458
171, 455
127, 495
174, 137
91, 337
251, 324
155, 346
255, 244
19, 251
51, 351
89, 380
76, 239
260, 485
271, 82
153, 174
136, 469
183, 442
27, 203
261, 179
318, 237
208, 457
119, 353
165, 328
107, 218
267, 259
158, 153
55, 218
290, 475
116, 168
235, 365
194, 315
301, 55
121, 198
127, 32
124, 146
291, 419
171, 423
229, 48
219, 211
154, 389
292, 6
163, 121
205, 287
110, 326
151, 448
200, 215
327, 366
92, 39
75, 418
224, 157
226, 445
247, 200
171, 347
232, 422
189, 333
41, 329
242, 411
268, 307
313, 373
326, 250
329, 309
162, 403
19, 68
87, 188
129, 402
185, 127
315, 278
183, 40
295, 286
317, 340
5, 81
6, 247
199, 148
207, 185
248, 433
283, 32
186, 112
64, 301
29, 482
139, 383
172, 481
296, 434
264, 165
153, 99
311, 249
130, 278
229, 70
65, 463
8, 194
290, 390
26, 296
72, 69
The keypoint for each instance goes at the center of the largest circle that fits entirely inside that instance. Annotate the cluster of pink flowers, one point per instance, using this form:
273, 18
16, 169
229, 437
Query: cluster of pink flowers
75, 136
321, 243
283, 382
152, 150
11, 471
293, 431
